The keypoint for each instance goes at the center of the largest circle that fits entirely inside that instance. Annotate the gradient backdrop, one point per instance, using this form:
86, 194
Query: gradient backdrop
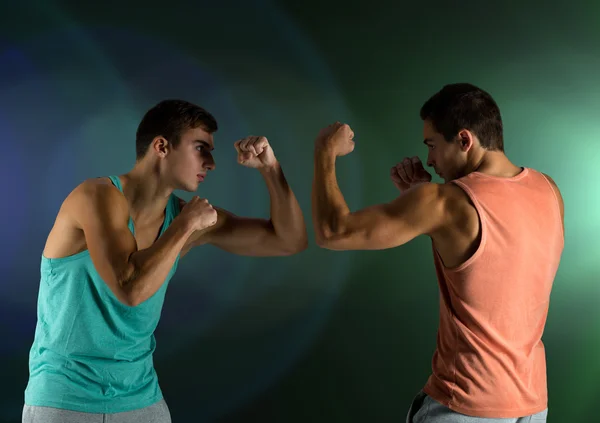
321, 336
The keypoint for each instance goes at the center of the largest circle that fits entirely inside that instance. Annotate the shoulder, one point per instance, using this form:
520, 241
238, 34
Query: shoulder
442, 197
95, 196
555, 188
559, 197
432, 206
447, 204
97, 190
552, 183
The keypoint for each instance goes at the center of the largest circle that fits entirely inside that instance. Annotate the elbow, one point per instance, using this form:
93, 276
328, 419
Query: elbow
320, 239
328, 240
132, 301
300, 246
302, 243
128, 294
341, 239
293, 242
329, 235
322, 242
327, 243
131, 297
294, 247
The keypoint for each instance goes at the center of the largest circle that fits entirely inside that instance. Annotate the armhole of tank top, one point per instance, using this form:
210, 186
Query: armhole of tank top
172, 211
556, 205
482, 222
176, 208
112, 179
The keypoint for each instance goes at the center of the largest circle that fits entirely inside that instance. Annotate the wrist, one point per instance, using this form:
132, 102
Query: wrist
270, 169
324, 147
325, 157
183, 226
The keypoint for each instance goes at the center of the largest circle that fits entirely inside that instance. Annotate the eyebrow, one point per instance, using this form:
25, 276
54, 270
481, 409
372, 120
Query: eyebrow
204, 143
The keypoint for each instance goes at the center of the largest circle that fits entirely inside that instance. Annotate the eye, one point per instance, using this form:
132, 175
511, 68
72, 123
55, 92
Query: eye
200, 148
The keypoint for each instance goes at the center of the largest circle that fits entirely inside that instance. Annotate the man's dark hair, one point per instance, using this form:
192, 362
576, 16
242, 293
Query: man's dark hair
169, 119
465, 106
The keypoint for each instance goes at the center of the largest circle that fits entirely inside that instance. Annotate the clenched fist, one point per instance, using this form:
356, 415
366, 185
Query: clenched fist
199, 214
255, 152
409, 172
337, 138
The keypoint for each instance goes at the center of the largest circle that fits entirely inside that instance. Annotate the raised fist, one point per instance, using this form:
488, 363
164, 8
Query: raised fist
408, 173
255, 152
337, 138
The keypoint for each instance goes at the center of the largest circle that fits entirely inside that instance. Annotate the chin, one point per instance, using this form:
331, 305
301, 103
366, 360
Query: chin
190, 187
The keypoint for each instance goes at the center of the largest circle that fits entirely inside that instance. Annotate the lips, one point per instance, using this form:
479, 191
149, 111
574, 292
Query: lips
200, 177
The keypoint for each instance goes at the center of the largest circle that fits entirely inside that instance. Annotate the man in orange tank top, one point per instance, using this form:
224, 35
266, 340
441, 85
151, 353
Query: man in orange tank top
497, 238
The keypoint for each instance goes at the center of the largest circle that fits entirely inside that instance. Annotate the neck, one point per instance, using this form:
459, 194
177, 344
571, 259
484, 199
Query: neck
494, 163
145, 191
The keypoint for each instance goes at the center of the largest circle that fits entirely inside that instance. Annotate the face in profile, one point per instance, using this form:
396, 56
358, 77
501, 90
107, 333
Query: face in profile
447, 158
190, 161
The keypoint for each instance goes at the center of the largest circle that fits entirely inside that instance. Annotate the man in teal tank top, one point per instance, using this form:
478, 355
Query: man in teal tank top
111, 253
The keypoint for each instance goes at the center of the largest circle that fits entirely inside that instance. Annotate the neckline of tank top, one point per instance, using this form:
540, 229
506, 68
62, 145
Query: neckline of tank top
524, 172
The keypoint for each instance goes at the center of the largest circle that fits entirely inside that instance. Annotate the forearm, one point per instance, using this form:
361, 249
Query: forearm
329, 207
148, 269
286, 216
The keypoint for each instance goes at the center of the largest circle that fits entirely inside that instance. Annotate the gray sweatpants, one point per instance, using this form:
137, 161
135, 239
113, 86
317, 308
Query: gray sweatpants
156, 413
425, 409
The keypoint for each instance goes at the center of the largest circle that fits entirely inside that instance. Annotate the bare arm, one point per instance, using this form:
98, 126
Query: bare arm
421, 210
283, 234
133, 276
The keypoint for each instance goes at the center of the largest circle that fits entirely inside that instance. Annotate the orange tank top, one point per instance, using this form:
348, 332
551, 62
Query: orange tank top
489, 359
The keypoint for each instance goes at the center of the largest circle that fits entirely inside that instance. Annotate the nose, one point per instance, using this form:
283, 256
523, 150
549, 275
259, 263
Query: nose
209, 163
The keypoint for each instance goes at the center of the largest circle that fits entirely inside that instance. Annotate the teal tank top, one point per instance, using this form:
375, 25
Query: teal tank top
92, 353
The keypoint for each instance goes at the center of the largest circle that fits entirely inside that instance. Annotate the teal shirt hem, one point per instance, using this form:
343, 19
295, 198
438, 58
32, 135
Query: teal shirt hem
111, 407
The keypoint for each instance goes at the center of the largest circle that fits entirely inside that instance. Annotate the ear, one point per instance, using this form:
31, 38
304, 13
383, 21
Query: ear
466, 139
160, 146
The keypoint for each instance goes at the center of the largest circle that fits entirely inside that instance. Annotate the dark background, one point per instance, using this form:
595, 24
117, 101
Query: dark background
320, 336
